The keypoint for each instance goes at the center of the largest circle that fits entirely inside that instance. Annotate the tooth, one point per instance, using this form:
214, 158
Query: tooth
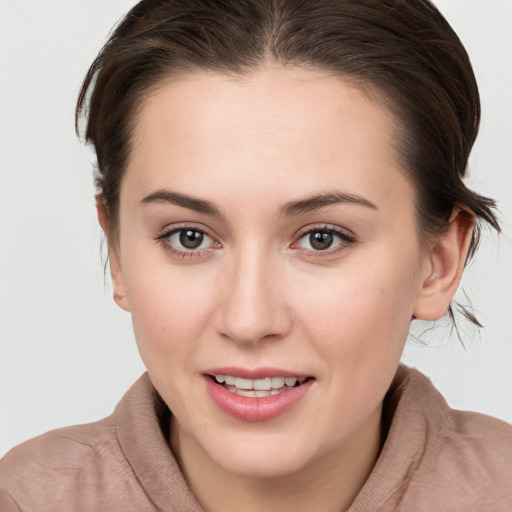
277, 382
243, 392
262, 384
262, 393
243, 383
273, 384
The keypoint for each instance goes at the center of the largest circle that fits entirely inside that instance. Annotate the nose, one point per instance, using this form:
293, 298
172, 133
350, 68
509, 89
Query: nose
253, 307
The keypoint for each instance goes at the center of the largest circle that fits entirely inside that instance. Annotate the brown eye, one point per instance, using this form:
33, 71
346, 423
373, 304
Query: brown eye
321, 240
327, 240
191, 238
188, 242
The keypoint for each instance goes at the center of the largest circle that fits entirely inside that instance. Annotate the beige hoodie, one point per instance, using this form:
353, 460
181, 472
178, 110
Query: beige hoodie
434, 459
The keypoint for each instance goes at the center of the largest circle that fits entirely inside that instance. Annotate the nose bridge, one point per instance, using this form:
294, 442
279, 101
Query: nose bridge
253, 307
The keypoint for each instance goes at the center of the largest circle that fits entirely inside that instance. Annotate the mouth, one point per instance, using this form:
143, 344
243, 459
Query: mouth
258, 388
256, 395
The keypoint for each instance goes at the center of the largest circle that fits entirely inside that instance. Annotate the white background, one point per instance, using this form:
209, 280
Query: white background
67, 353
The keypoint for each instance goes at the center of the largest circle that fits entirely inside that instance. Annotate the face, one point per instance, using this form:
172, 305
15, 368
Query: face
267, 231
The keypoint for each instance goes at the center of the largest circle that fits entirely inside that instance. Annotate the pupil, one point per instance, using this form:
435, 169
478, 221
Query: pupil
191, 239
321, 240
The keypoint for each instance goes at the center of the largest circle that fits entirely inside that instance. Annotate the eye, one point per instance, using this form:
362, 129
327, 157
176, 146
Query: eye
190, 239
187, 242
324, 240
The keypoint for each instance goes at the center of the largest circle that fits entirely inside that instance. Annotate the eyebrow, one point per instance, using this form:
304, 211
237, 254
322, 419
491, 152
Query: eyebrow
192, 203
292, 208
316, 202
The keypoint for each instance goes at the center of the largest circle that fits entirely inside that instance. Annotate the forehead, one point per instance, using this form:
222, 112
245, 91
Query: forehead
305, 128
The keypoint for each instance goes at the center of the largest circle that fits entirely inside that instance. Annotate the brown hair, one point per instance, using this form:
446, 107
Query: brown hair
403, 49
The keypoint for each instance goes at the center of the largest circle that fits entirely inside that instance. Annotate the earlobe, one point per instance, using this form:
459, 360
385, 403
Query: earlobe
447, 258
113, 256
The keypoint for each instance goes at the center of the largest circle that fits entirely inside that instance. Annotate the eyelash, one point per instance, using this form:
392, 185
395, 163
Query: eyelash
173, 251
345, 240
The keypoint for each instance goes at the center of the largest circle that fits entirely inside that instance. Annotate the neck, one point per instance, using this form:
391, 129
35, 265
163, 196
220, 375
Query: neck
329, 483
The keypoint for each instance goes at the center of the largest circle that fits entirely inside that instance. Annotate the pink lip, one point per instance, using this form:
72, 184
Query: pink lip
257, 373
255, 409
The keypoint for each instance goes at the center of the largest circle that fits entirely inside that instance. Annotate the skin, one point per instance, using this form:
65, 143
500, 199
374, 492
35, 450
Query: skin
257, 294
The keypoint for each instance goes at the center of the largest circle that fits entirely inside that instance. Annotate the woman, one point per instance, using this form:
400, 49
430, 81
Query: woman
280, 184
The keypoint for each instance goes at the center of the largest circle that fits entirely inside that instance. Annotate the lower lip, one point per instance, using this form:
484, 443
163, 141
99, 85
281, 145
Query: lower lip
255, 409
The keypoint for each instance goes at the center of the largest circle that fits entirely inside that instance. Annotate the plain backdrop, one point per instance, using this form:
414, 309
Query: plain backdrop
67, 352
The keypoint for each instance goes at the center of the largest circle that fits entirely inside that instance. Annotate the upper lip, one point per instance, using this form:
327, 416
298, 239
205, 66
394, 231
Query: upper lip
254, 373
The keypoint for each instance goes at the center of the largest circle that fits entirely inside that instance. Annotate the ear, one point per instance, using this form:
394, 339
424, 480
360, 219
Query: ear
113, 255
443, 269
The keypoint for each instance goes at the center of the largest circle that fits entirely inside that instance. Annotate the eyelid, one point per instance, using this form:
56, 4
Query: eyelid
322, 226
168, 231
343, 232
346, 236
175, 228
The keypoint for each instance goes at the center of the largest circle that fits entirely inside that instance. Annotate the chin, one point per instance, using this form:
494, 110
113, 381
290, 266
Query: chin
273, 467
260, 458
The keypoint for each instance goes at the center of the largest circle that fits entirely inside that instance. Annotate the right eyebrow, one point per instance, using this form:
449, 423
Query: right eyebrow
185, 201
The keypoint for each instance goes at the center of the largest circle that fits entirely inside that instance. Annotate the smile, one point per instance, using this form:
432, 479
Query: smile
267, 395
258, 388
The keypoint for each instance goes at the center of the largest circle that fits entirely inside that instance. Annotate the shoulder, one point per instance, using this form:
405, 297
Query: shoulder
478, 428
74, 468
467, 465
65, 447
477, 447
50, 461
85, 467
466, 458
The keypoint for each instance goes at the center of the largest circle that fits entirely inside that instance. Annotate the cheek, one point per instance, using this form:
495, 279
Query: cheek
364, 310
170, 307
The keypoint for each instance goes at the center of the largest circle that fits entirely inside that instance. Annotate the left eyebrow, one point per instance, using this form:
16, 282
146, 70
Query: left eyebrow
316, 202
